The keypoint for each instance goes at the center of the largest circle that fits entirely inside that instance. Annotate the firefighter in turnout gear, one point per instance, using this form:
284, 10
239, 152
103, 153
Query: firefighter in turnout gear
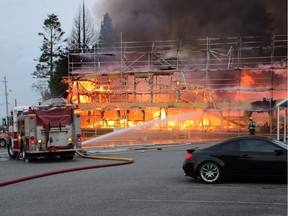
251, 126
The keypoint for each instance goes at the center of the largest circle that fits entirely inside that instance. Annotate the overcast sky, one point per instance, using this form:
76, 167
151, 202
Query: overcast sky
21, 20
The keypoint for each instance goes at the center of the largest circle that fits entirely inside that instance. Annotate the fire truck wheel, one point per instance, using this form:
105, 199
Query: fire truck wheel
67, 156
11, 153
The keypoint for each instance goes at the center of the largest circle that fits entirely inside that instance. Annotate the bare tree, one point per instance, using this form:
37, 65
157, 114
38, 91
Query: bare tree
83, 34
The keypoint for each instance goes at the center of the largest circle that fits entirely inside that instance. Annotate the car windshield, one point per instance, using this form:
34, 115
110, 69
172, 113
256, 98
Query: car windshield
280, 144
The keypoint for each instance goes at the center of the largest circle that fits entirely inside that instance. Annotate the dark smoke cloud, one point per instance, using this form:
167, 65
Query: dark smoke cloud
187, 19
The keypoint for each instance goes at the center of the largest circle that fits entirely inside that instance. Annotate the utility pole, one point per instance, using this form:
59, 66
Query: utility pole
6, 95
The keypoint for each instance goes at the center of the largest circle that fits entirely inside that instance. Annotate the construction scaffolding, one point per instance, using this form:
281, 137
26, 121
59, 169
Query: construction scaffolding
126, 84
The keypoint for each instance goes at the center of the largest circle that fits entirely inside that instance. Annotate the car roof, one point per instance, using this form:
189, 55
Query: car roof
216, 145
220, 142
247, 137
277, 142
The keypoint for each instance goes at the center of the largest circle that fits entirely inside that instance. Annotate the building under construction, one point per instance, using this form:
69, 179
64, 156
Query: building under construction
228, 80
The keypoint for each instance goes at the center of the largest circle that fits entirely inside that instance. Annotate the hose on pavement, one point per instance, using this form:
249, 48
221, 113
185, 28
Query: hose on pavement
81, 153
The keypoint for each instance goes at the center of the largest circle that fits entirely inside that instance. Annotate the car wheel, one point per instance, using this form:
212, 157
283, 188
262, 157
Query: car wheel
2, 143
210, 172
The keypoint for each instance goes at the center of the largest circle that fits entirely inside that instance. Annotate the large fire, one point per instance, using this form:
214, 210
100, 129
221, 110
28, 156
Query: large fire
104, 116
220, 82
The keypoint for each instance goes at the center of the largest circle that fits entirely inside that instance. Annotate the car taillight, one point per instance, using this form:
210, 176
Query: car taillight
188, 156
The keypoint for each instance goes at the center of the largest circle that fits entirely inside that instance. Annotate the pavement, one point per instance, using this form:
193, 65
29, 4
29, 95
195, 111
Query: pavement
115, 149
3, 153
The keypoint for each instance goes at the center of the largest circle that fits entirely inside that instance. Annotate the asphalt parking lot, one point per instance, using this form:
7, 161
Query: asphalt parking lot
153, 185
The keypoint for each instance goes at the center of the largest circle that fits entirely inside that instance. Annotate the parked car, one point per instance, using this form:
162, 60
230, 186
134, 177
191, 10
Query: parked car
250, 156
4, 138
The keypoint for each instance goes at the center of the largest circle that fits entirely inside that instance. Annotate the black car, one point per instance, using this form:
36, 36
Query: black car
250, 156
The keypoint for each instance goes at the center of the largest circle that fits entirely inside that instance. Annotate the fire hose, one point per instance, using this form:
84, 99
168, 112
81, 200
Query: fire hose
81, 153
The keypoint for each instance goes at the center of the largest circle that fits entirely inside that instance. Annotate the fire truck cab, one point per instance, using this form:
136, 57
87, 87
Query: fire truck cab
45, 130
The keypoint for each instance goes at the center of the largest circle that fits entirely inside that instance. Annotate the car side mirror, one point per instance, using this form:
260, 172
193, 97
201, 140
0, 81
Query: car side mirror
278, 151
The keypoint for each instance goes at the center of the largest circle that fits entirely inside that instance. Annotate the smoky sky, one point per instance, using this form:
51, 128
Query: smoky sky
188, 19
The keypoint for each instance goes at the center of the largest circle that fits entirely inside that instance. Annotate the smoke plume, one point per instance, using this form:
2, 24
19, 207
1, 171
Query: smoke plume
186, 19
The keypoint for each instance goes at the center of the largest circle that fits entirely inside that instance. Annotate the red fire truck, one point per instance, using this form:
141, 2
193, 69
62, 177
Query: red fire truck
44, 130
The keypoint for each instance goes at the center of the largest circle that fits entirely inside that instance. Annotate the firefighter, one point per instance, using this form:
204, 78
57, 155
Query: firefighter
251, 126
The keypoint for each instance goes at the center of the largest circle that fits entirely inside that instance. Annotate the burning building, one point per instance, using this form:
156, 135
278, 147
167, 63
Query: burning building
128, 84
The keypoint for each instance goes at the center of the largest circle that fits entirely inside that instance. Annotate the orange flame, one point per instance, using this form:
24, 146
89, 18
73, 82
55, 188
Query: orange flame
246, 79
91, 92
